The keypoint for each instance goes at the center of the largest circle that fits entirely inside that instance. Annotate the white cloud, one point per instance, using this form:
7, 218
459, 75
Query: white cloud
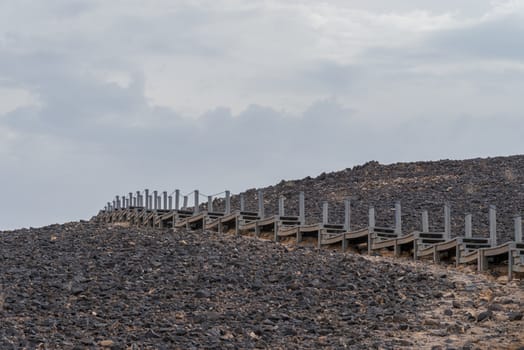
13, 98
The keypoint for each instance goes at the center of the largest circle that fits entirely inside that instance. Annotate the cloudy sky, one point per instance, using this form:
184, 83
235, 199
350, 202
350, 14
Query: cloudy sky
99, 98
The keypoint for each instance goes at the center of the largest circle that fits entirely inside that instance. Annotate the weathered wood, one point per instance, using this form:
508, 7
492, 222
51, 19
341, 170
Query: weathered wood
196, 210
242, 202
281, 209
347, 214
210, 203
325, 213
425, 221
468, 225
493, 225
447, 220
371, 217
518, 229
302, 208
261, 204
177, 199
398, 218
228, 203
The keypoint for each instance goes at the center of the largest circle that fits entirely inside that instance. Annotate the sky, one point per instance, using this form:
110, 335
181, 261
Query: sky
101, 98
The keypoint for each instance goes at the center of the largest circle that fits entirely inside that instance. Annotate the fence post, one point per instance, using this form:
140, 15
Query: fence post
493, 225
177, 199
302, 208
261, 204
209, 204
197, 202
469, 230
425, 221
347, 214
447, 221
518, 229
398, 218
281, 211
242, 202
146, 195
325, 213
155, 200
228, 202
371, 217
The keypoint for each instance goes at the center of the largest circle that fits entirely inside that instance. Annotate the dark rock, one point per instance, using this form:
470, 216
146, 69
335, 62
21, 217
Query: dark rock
515, 315
484, 315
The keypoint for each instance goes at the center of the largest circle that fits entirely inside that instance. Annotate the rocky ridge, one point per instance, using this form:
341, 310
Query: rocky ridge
470, 186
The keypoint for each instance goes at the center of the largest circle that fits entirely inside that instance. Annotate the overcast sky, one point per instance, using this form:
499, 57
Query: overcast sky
99, 98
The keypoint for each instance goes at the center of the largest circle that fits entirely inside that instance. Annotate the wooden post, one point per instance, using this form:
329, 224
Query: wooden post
493, 225
302, 208
518, 229
447, 221
325, 213
425, 221
260, 204
469, 231
146, 195
209, 204
228, 202
197, 202
347, 217
398, 218
371, 217
242, 202
281, 211
177, 199
165, 200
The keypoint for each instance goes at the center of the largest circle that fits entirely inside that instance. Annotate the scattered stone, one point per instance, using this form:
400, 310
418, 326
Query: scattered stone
515, 315
123, 287
484, 315
106, 343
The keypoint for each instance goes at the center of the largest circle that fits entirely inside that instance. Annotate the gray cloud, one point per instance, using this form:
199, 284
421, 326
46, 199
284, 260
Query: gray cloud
496, 39
289, 105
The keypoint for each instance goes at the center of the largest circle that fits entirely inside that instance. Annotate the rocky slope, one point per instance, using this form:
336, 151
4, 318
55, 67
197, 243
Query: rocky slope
470, 186
88, 285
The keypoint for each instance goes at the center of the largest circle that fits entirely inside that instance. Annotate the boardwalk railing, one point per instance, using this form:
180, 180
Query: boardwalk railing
157, 210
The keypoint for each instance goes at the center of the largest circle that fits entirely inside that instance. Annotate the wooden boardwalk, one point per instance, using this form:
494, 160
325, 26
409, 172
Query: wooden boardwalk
435, 246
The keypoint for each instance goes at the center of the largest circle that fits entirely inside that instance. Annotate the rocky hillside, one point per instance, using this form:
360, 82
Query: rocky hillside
96, 286
470, 186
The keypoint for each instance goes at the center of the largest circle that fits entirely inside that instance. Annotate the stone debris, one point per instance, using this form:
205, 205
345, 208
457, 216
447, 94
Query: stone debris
90, 285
